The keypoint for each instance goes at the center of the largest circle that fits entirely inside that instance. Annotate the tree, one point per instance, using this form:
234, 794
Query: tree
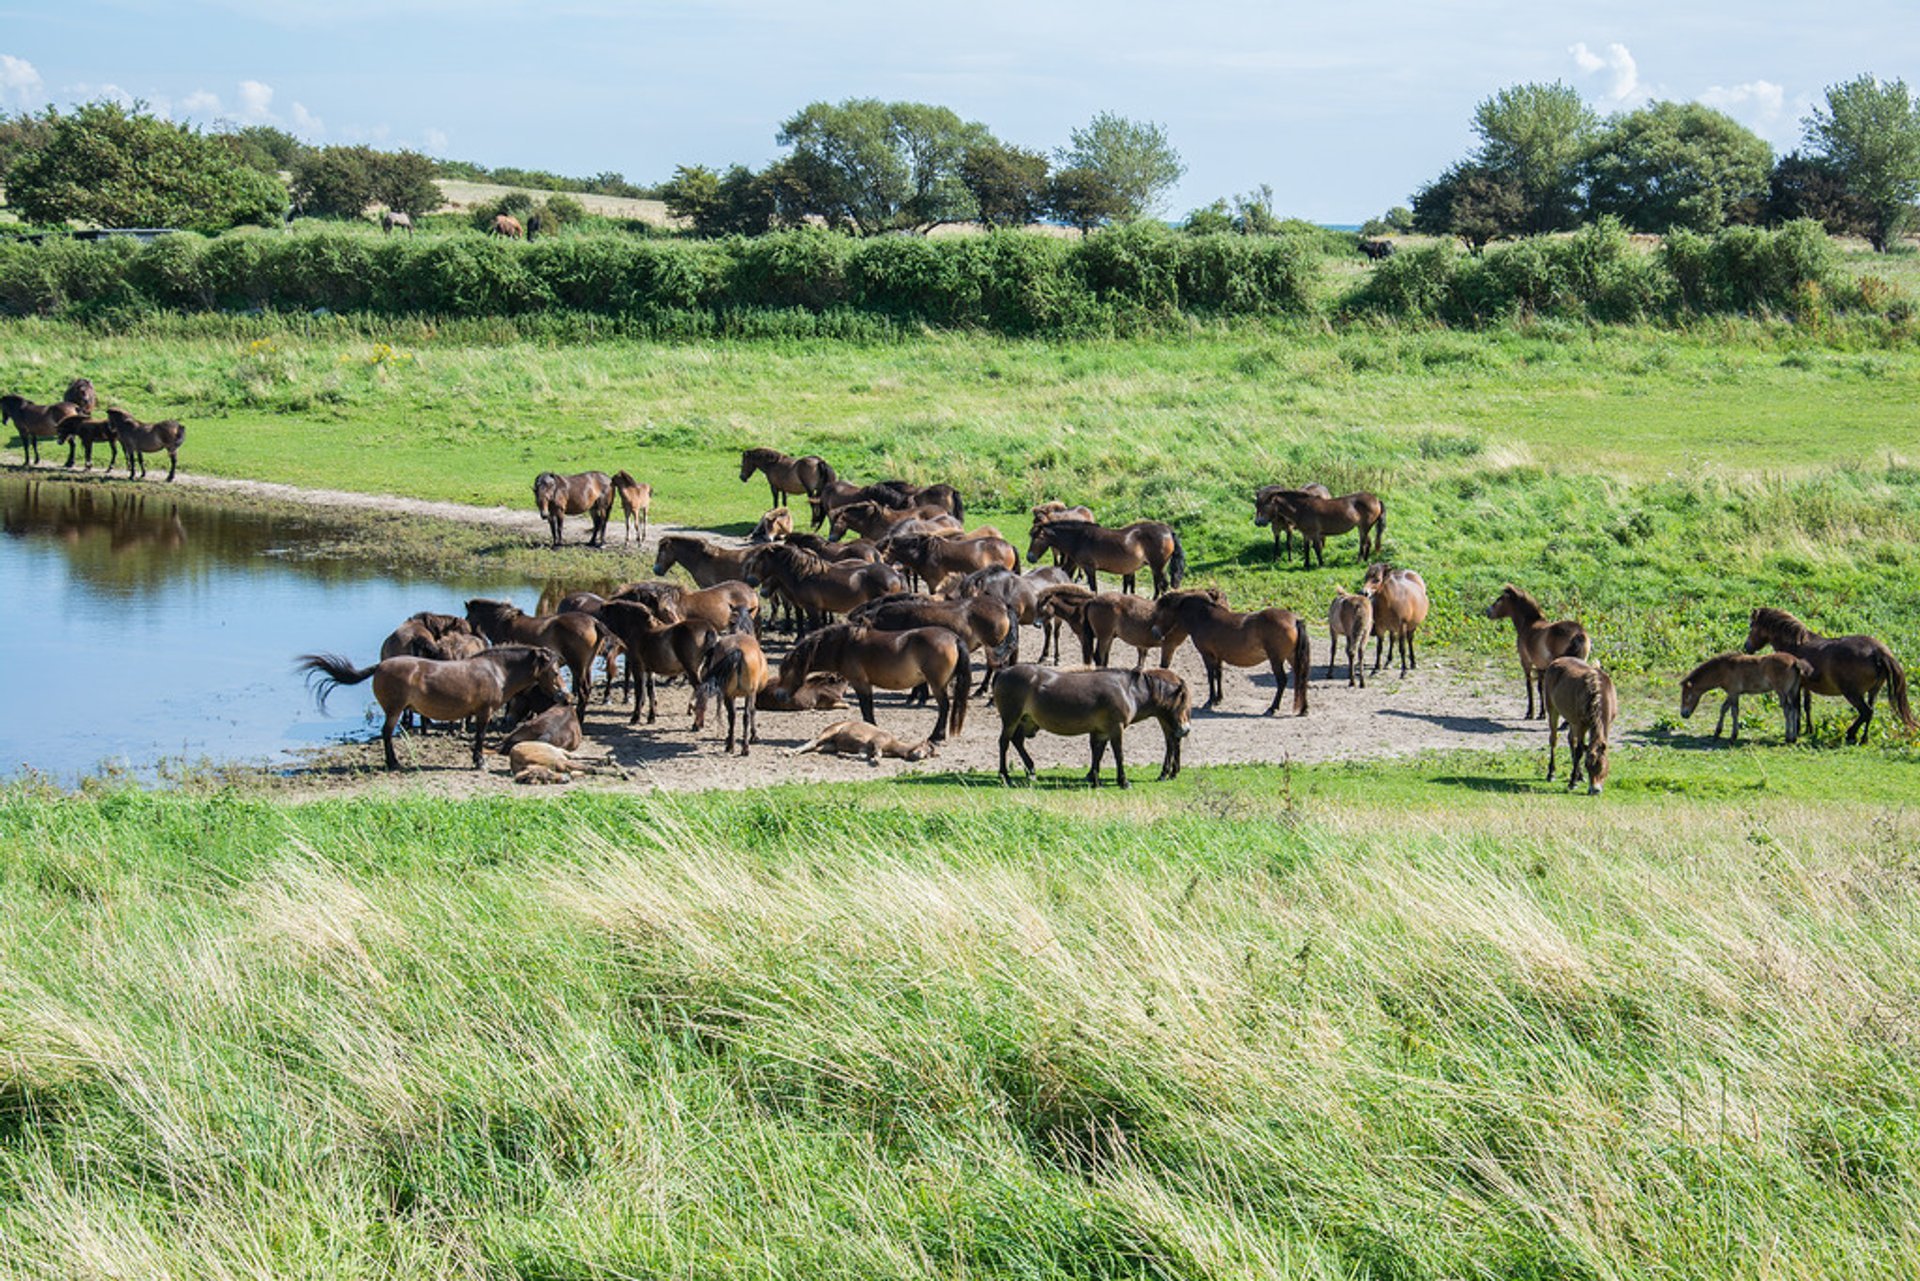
1870, 130
1253, 212
124, 167
877, 166
740, 202
403, 180
1209, 220
1813, 187
263, 147
20, 135
933, 140
1399, 219
1472, 202
1678, 164
337, 182
1008, 185
1135, 159
1537, 135
1084, 198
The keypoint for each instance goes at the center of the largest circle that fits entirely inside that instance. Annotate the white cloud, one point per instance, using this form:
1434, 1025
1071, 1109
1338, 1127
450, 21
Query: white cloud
305, 123
201, 103
1756, 99
1624, 87
18, 78
256, 103
436, 141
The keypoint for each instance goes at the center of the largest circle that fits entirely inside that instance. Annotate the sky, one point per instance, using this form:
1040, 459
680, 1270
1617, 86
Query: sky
1343, 110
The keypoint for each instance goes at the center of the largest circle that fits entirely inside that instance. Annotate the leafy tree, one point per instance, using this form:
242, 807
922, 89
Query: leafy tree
1134, 158
1399, 219
933, 141
693, 193
124, 167
403, 180
740, 202
1813, 187
1253, 212
1536, 136
1084, 198
265, 148
1008, 184
1678, 164
1209, 220
876, 166
1870, 130
337, 182
1472, 202
20, 135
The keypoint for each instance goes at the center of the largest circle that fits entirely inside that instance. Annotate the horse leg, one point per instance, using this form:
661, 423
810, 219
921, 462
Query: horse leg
1119, 763
1020, 745
1333, 651
728, 700
1277, 661
1407, 654
1006, 737
1733, 701
1553, 741
653, 699
750, 714
864, 693
1216, 680
480, 732
386, 739
1098, 746
1721, 723
1102, 648
173, 463
942, 705
1526, 674
1864, 720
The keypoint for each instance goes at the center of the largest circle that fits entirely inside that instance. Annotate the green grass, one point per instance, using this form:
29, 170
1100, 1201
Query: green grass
1320, 1023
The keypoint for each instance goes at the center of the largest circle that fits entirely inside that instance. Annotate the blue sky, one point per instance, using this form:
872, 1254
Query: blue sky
1343, 111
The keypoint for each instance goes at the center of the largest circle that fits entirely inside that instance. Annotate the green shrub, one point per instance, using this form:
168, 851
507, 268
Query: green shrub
173, 272
1413, 284
61, 273
1132, 267
1747, 269
805, 268
1246, 275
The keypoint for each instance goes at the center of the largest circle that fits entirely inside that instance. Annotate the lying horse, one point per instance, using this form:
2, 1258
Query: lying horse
1091, 548
1277, 637
634, 498
556, 497
1778, 674
773, 527
1582, 696
857, 738
470, 687
1849, 667
1100, 704
35, 423
574, 637
138, 439
1317, 517
1538, 641
786, 474
930, 656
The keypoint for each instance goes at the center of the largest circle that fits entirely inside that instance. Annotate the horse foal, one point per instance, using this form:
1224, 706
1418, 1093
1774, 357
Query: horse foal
1779, 674
1349, 617
1582, 695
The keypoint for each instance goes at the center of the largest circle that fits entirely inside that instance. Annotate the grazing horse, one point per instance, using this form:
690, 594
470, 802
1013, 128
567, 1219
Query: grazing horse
930, 656
1399, 598
734, 667
506, 225
1277, 637
1317, 517
138, 439
707, 563
773, 527
1779, 674
1581, 695
1091, 548
474, 687
1264, 512
857, 738
1538, 641
1849, 667
80, 430
634, 497
395, 220
1099, 704
556, 497
80, 395
1349, 617
658, 647
574, 637
35, 423
786, 474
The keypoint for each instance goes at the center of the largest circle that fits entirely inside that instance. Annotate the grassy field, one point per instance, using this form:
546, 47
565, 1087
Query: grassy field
1315, 1023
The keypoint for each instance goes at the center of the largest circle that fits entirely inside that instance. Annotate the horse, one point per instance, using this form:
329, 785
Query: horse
1849, 667
80, 395
707, 563
1103, 617
835, 494
1099, 704
786, 474
1399, 599
857, 738
1350, 616
559, 726
1091, 548
772, 527
1264, 513
138, 439
733, 667
506, 226
857, 549
1779, 674
821, 692
35, 423
816, 587
470, 687
984, 623
1019, 592
574, 637
871, 520
1377, 249
1538, 641
936, 560
79, 430
930, 656
658, 647
556, 497
1583, 696
634, 497
424, 635
1317, 517
395, 220
1276, 637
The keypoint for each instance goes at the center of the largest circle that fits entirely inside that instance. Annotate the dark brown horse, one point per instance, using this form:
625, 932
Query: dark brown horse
1091, 548
786, 474
655, 647
138, 439
1849, 667
80, 395
819, 588
1317, 517
1583, 696
574, 637
930, 656
1538, 641
937, 559
35, 423
1264, 512
556, 497
1100, 704
984, 623
474, 687
80, 430
836, 494
709, 563
1276, 637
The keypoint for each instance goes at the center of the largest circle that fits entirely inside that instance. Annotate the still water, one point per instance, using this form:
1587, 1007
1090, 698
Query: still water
140, 625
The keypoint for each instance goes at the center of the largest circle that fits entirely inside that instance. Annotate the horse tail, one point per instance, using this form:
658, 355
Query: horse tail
1889, 667
334, 671
827, 476
1302, 661
962, 683
1177, 563
1379, 531
960, 511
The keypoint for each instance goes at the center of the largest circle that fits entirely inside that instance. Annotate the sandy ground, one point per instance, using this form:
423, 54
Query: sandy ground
524, 519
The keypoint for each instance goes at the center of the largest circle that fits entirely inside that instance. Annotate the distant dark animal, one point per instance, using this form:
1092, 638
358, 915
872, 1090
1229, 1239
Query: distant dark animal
81, 396
1583, 696
1316, 518
574, 637
556, 497
1780, 674
1091, 548
537, 224
1849, 667
138, 439
1264, 513
635, 497
79, 430
733, 669
857, 738
1100, 704
1538, 641
929, 656
708, 562
1349, 618
1377, 249
394, 220
506, 225
1276, 637
35, 423
786, 474
474, 687
835, 494
1400, 605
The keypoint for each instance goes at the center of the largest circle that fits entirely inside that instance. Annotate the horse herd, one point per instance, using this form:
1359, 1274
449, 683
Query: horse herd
69, 421
907, 602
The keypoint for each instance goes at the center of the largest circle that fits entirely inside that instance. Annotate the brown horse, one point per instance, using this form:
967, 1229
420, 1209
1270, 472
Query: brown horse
1583, 696
80, 395
655, 647
1091, 548
559, 726
1104, 617
474, 687
930, 656
708, 563
773, 527
424, 626
1277, 637
1100, 704
35, 423
1779, 674
80, 430
836, 494
556, 497
138, 439
857, 738
985, 624
871, 520
1849, 667
819, 588
1399, 599
1265, 514
1538, 641
937, 560
733, 668
786, 474
1317, 517
396, 220
635, 497
574, 637
1349, 618
507, 226
856, 549
821, 692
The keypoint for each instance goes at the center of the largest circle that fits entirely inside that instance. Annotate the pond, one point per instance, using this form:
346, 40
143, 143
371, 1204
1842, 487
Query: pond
142, 625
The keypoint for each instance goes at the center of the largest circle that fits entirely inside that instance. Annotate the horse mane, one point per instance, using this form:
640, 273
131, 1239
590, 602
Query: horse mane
623, 477
799, 659
1164, 686
1698, 671
1593, 683
761, 454
1779, 621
